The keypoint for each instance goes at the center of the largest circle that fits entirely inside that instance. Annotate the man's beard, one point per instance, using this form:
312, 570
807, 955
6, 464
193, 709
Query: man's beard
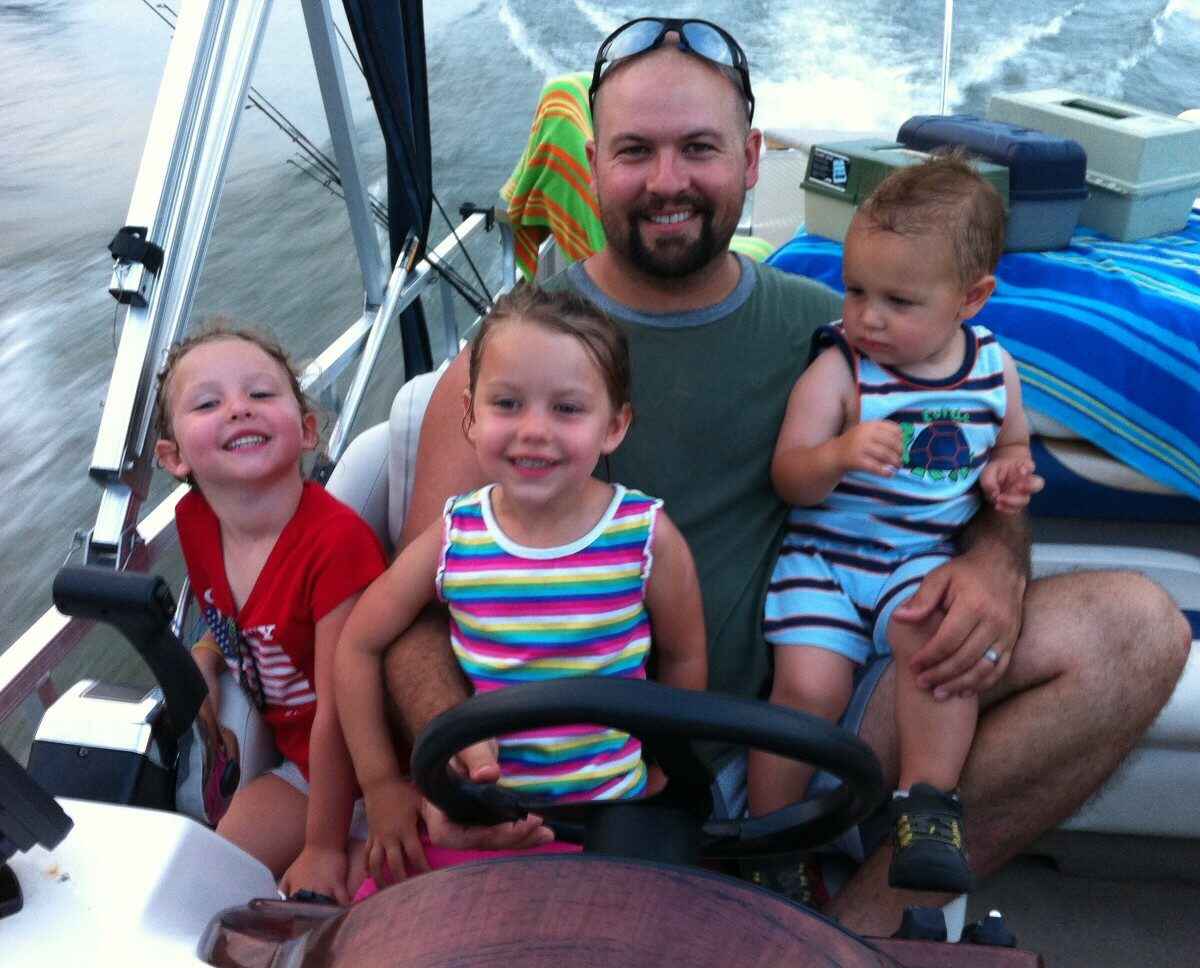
675, 258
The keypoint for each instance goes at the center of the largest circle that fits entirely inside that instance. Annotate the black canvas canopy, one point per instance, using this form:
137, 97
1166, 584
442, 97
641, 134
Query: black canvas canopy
390, 38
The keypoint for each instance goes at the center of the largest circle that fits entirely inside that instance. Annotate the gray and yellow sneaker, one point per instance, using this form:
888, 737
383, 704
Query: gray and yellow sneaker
928, 852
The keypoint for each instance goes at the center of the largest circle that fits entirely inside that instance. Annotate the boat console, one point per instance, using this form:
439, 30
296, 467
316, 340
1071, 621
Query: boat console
28, 818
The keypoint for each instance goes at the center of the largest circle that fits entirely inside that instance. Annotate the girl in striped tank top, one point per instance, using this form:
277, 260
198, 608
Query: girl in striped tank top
547, 571
905, 415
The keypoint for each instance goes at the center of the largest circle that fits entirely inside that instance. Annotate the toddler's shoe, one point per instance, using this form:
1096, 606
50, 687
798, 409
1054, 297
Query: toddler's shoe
928, 852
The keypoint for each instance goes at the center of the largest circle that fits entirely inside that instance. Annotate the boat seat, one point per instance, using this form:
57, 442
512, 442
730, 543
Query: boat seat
1150, 802
375, 474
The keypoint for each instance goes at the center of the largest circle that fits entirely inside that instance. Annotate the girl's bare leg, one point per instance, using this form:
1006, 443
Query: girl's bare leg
813, 680
267, 820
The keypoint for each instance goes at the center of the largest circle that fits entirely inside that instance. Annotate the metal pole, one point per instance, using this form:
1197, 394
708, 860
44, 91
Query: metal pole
947, 31
342, 133
340, 435
175, 200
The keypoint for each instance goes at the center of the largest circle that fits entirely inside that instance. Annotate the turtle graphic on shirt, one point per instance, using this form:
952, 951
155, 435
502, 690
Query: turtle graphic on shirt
940, 449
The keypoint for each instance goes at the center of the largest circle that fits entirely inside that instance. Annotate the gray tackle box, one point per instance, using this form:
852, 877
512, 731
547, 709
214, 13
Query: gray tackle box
1143, 166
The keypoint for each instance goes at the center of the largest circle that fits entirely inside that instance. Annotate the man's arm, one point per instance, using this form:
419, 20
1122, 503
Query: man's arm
422, 675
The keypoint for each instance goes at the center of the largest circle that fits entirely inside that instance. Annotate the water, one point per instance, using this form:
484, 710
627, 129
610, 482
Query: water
79, 83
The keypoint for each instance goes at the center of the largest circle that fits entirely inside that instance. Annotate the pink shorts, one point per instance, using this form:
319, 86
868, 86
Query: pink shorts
440, 857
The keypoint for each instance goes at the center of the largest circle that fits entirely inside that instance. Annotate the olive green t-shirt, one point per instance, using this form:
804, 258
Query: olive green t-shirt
710, 388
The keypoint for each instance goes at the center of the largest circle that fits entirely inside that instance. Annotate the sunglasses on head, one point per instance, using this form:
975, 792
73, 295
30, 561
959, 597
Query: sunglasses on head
699, 37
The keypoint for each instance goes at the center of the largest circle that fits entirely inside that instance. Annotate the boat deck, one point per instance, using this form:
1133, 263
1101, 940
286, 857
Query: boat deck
1077, 921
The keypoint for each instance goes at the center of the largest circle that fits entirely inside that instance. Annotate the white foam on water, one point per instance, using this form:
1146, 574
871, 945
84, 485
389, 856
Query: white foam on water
1187, 8
602, 18
983, 65
1162, 32
538, 58
836, 77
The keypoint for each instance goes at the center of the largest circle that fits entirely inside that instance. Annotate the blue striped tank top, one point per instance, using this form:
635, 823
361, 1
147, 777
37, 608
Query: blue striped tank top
949, 427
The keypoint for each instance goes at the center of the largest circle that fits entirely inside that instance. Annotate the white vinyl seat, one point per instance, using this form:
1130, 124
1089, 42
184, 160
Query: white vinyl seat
375, 474
1156, 790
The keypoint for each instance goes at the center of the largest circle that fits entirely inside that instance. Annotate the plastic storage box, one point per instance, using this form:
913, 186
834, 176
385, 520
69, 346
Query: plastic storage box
1047, 175
841, 174
1143, 167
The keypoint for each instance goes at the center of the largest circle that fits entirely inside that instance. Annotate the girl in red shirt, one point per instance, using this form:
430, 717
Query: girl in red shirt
275, 564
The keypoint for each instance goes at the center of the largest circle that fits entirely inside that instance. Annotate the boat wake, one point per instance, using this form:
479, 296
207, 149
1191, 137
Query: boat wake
988, 62
537, 56
603, 19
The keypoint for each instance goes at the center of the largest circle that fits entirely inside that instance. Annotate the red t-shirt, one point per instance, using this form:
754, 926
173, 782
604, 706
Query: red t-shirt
325, 554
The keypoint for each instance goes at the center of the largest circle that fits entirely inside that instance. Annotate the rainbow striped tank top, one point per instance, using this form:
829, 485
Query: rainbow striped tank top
521, 614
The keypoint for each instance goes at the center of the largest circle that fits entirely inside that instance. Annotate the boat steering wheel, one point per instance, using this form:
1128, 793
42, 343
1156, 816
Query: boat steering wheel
666, 719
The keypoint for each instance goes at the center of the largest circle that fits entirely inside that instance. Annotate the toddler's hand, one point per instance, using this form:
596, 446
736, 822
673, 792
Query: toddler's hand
1009, 483
875, 447
322, 870
393, 809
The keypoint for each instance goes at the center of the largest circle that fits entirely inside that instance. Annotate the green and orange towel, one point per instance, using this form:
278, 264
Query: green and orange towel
550, 190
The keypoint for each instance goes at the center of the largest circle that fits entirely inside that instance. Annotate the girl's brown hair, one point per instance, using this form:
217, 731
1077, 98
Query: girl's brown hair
214, 330
565, 312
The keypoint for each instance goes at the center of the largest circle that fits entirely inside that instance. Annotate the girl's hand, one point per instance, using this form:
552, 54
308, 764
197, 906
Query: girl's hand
479, 763
393, 811
875, 447
322, 870
1009, 483
214, 733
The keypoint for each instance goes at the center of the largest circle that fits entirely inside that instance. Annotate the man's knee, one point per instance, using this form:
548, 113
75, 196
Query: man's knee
1112, 627
1136, 620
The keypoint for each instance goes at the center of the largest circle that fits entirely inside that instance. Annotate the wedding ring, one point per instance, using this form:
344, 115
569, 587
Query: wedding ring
992, 656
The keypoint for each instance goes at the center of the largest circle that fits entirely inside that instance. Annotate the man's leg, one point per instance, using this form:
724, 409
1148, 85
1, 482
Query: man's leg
1098, 656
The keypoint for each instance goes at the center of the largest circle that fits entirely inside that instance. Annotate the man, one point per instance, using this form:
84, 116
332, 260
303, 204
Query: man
1070, 670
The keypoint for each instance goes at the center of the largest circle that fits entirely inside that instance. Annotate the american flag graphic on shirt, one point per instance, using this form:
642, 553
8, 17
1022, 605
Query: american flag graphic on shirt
262, 667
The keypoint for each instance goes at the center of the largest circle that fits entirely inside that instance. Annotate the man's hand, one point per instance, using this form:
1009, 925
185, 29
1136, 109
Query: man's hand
1009, 483
393, 842
478, 763
983, 618
322, 870
876, 447
515, 835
